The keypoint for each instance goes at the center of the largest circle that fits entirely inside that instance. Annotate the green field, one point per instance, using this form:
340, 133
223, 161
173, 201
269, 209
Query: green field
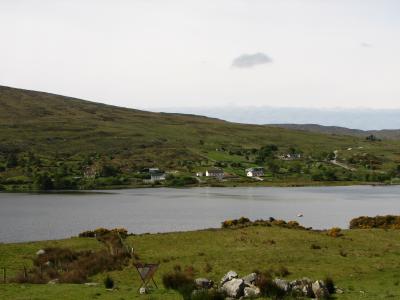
364, 263
51, 142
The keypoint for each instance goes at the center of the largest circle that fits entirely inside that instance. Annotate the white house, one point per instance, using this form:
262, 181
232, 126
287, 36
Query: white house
156, 174
217, 173
255, 172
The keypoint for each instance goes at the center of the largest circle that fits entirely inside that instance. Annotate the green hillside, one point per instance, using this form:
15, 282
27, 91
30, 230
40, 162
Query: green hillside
48, 138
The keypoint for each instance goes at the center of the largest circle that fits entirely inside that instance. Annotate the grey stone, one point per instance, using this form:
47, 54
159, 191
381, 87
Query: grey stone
54, 281
143, 290
302, 287
320, 290
91, 284
229, 276
250, 279
251, 291
40, 252
234, 288
282, 284
203, 283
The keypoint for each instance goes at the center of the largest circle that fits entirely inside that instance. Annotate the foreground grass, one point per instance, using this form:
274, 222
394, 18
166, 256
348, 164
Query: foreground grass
364, 263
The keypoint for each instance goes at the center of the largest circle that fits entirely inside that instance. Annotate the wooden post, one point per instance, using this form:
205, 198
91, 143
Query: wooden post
4, 275
25, 273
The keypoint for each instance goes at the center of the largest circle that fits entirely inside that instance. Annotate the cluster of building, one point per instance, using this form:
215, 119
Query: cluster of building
219, 173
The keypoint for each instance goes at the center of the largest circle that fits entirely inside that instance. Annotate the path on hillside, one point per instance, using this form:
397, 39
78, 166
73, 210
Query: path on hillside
339, 164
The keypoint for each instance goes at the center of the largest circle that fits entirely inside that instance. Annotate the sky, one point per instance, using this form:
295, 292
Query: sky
209, 53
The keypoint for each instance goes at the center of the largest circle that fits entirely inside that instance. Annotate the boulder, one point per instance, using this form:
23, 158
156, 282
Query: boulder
234, 288
40, 252
282, 284
203, 283
229, 276
302, 287
143, 290
53, 281
250, 279
91, 283
320, 290
251, 292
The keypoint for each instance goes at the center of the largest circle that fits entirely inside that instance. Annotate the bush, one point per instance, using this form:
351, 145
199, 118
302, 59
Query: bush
282, 271
208, 295
383, 222
315, 247
334, 232
179, 281
108, 282
330, 285
268, 287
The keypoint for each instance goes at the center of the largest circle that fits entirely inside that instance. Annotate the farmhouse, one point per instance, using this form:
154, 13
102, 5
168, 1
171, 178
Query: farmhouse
255, 172
217, 173
156, 174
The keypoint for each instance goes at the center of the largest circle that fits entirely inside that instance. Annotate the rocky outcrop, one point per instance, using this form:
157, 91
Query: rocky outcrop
228, 276
203, 283
234, 288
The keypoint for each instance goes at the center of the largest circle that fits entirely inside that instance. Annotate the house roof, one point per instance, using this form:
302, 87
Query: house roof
215, 171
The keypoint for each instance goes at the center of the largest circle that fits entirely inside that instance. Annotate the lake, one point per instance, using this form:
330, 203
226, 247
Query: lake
29, 217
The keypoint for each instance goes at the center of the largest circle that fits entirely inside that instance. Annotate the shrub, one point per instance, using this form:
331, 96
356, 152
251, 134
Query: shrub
268, 287
334, 232
330, 285
208, 295
315, 247
180, 282
282, 271
383, 222
108, 282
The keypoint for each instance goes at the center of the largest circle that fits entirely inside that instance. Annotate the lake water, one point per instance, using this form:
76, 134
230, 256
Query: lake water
29, 217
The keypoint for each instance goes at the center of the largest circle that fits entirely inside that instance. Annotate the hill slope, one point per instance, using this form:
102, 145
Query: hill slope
46, 132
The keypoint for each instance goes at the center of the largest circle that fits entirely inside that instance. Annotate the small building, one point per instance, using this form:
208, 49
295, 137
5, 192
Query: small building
156, 174
255, 172
217, 173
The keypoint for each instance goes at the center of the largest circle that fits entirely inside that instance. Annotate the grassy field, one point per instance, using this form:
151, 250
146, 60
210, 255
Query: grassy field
364, 263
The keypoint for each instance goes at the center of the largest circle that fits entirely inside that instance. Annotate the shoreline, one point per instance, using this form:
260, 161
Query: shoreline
229, 185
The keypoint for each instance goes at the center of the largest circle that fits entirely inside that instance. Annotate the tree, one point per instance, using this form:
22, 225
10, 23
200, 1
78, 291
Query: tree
43, 181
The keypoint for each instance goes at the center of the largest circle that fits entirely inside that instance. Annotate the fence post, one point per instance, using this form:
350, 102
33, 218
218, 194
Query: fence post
25, 273
4, 275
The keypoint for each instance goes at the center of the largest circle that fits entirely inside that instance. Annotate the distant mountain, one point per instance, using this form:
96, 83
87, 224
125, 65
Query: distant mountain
359, 118
336, 130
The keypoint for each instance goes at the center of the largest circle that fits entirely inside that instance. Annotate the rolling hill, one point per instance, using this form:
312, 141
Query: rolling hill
42, 132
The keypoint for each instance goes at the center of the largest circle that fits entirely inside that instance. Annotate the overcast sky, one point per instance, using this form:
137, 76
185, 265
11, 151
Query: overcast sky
160, 53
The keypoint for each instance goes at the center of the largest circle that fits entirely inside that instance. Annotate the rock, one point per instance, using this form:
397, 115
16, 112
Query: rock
251, 291
282, 284
54, 281
229, 276
234, 288
302, 287
338, 290
203, 283
250, 279
143, 290
40, 252
91, 284
320, 290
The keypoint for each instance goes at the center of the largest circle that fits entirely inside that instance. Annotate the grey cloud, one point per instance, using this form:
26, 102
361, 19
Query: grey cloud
366, 45
251, 60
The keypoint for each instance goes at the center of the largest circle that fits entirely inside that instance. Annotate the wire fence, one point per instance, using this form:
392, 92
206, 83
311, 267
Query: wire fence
8, 273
